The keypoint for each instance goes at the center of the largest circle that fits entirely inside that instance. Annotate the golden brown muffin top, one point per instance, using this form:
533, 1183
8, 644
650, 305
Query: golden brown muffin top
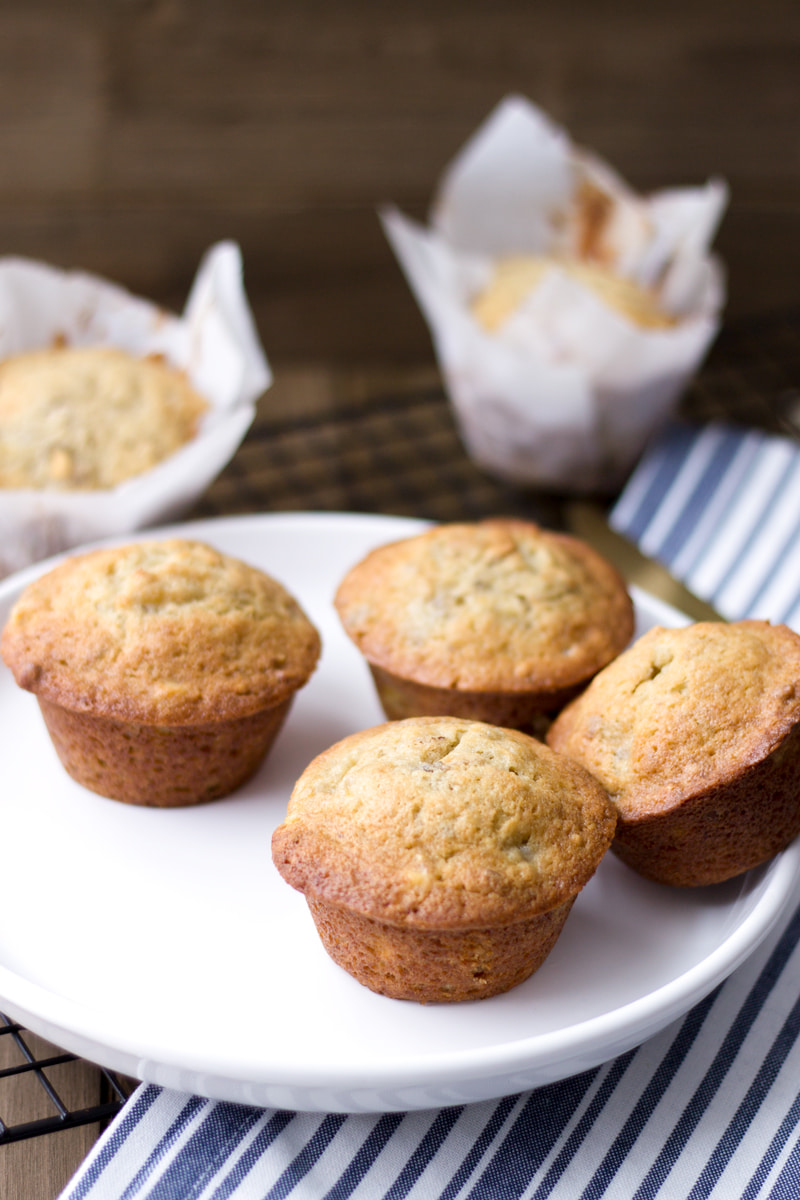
683, 710
159, 632
516, 276
76, 418
496, 605
438, 822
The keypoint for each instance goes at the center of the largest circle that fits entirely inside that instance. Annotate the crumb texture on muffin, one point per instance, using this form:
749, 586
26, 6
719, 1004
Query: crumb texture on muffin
695, 734
516, 276
684, 709
77, 418
438, 823
164, 632
499, 605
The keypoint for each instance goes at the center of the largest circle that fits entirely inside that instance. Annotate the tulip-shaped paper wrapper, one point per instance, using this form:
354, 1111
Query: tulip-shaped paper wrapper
563, 388
214, 340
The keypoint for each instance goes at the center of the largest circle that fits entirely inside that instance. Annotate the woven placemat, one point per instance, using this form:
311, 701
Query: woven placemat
398, 454
397, 451
752, 375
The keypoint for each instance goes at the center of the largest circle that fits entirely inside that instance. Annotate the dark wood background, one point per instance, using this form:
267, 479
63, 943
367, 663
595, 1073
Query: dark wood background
134, 133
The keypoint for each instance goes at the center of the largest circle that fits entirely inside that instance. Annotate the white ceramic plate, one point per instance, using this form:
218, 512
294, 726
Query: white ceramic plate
165, 945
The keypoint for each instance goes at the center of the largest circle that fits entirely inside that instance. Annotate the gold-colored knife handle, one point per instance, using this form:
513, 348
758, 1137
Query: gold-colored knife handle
588, 522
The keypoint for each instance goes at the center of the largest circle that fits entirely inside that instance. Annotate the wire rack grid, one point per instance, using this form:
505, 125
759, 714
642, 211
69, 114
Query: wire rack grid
34, 1064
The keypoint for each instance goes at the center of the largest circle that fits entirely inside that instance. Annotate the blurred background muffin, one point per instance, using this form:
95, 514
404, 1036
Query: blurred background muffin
516, 277
90, 416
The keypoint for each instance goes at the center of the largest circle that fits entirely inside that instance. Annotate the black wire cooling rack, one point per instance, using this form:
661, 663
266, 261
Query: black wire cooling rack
34, 1065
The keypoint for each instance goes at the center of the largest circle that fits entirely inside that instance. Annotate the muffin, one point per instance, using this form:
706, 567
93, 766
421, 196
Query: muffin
163, 669
516, 276
498, 621
79, 418
695, 735
440, 857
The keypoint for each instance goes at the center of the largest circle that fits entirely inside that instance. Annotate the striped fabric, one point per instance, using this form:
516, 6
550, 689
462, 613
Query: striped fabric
708, 1108
702, 501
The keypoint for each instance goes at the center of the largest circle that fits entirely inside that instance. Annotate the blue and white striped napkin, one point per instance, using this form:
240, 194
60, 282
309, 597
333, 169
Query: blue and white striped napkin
708, 1108
720, 506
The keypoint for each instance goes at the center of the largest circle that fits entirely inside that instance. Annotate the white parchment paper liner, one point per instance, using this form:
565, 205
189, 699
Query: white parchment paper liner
214, 340
565, 394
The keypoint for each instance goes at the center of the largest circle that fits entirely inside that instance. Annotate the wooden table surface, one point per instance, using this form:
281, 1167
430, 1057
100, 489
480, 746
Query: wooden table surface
372, 439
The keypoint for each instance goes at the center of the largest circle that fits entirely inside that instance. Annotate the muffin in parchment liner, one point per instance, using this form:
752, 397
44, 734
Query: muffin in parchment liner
567, 312
87, 418
57, 489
